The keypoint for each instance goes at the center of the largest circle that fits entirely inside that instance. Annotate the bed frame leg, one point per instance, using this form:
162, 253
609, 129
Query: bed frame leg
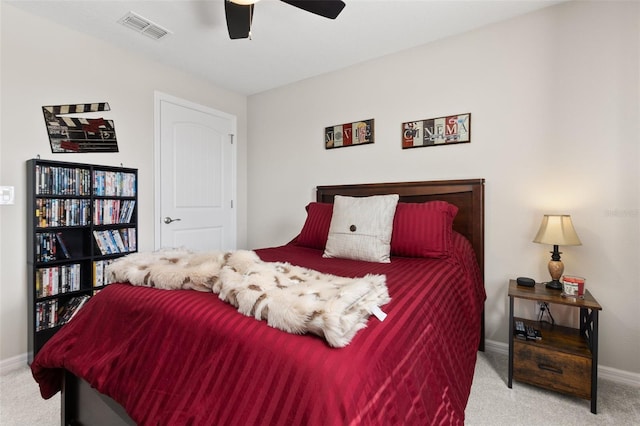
67, 397
481, 344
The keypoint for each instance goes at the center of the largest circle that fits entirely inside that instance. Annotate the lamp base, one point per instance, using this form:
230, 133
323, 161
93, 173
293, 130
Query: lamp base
554, 285
556, 268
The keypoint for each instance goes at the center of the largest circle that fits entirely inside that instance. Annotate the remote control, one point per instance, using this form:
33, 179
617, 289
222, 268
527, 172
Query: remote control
531, 333
520, 332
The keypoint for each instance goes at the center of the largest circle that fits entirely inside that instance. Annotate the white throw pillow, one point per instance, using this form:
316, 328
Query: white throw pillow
361, 228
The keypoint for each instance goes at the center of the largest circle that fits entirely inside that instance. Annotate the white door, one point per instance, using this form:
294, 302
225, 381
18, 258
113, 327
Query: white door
195, 175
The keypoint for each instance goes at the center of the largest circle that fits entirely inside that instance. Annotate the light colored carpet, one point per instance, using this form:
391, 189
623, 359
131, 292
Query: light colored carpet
21, 403
491, 401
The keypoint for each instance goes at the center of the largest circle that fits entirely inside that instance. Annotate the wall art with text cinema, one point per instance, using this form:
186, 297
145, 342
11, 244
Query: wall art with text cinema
70, 131
350, 134
437, 131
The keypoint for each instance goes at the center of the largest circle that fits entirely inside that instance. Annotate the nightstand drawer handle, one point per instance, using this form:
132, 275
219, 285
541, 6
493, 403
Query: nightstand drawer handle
550, 368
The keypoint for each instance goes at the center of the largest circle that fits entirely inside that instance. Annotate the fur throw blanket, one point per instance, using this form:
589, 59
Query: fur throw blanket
291, 298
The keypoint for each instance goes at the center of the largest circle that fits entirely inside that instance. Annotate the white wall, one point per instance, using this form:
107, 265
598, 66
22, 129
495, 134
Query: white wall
554, 97
47, 64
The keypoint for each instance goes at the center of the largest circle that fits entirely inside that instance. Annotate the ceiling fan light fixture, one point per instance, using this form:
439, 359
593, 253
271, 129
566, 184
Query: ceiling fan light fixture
239, 13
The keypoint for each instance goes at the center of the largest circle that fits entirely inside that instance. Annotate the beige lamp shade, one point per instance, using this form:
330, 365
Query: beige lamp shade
557, 230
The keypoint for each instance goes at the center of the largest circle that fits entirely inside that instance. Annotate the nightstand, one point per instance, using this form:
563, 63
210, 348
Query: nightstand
565, 359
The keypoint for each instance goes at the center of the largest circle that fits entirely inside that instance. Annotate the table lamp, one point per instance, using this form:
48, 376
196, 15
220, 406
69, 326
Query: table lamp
556, 230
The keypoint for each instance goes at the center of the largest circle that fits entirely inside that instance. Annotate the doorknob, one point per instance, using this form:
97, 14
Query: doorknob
168, 220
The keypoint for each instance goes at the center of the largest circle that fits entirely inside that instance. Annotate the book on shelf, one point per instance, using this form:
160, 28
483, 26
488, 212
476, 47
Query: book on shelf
116, 240
108, 236
71, 308
57, 280
47, 282
98, 273
54, 180
45, 249
101, 242
101, 276
57, 212
46, 314
120, 184
63, 246
107, 212
127, 211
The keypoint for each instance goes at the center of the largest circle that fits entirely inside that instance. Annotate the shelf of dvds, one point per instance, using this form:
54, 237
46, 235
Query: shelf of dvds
82, 217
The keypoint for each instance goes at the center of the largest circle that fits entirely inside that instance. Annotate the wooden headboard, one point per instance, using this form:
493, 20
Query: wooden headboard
467, 195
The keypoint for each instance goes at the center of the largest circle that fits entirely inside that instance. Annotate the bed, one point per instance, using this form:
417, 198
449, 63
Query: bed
142, 355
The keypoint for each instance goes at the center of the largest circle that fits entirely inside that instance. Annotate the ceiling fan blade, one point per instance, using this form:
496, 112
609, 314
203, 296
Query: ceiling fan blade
238, 19
327, 8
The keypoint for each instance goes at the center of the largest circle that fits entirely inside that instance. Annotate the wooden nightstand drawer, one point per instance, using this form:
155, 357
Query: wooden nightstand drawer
555, 370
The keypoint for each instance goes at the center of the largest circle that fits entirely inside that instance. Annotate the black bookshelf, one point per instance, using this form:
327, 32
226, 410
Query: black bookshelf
81, 218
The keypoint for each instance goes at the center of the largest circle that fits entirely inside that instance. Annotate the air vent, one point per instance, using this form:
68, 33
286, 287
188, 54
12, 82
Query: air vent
143, 25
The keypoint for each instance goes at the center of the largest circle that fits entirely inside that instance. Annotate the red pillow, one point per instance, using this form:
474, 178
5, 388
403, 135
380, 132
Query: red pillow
315, 231
423, 229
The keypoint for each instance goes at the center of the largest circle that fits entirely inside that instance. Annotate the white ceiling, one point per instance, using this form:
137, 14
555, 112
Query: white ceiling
288, 44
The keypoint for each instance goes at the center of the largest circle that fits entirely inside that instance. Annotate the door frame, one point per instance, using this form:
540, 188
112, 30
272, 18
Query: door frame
158, 97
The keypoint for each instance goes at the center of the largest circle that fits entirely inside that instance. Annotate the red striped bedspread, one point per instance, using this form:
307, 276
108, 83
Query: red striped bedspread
182, 357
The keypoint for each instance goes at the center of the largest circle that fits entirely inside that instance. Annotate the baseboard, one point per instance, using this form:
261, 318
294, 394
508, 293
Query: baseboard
619, 376
11, 364
496, 347
608, 373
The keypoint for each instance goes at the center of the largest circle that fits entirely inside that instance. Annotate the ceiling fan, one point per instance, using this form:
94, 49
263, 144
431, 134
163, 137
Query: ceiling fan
240, 13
